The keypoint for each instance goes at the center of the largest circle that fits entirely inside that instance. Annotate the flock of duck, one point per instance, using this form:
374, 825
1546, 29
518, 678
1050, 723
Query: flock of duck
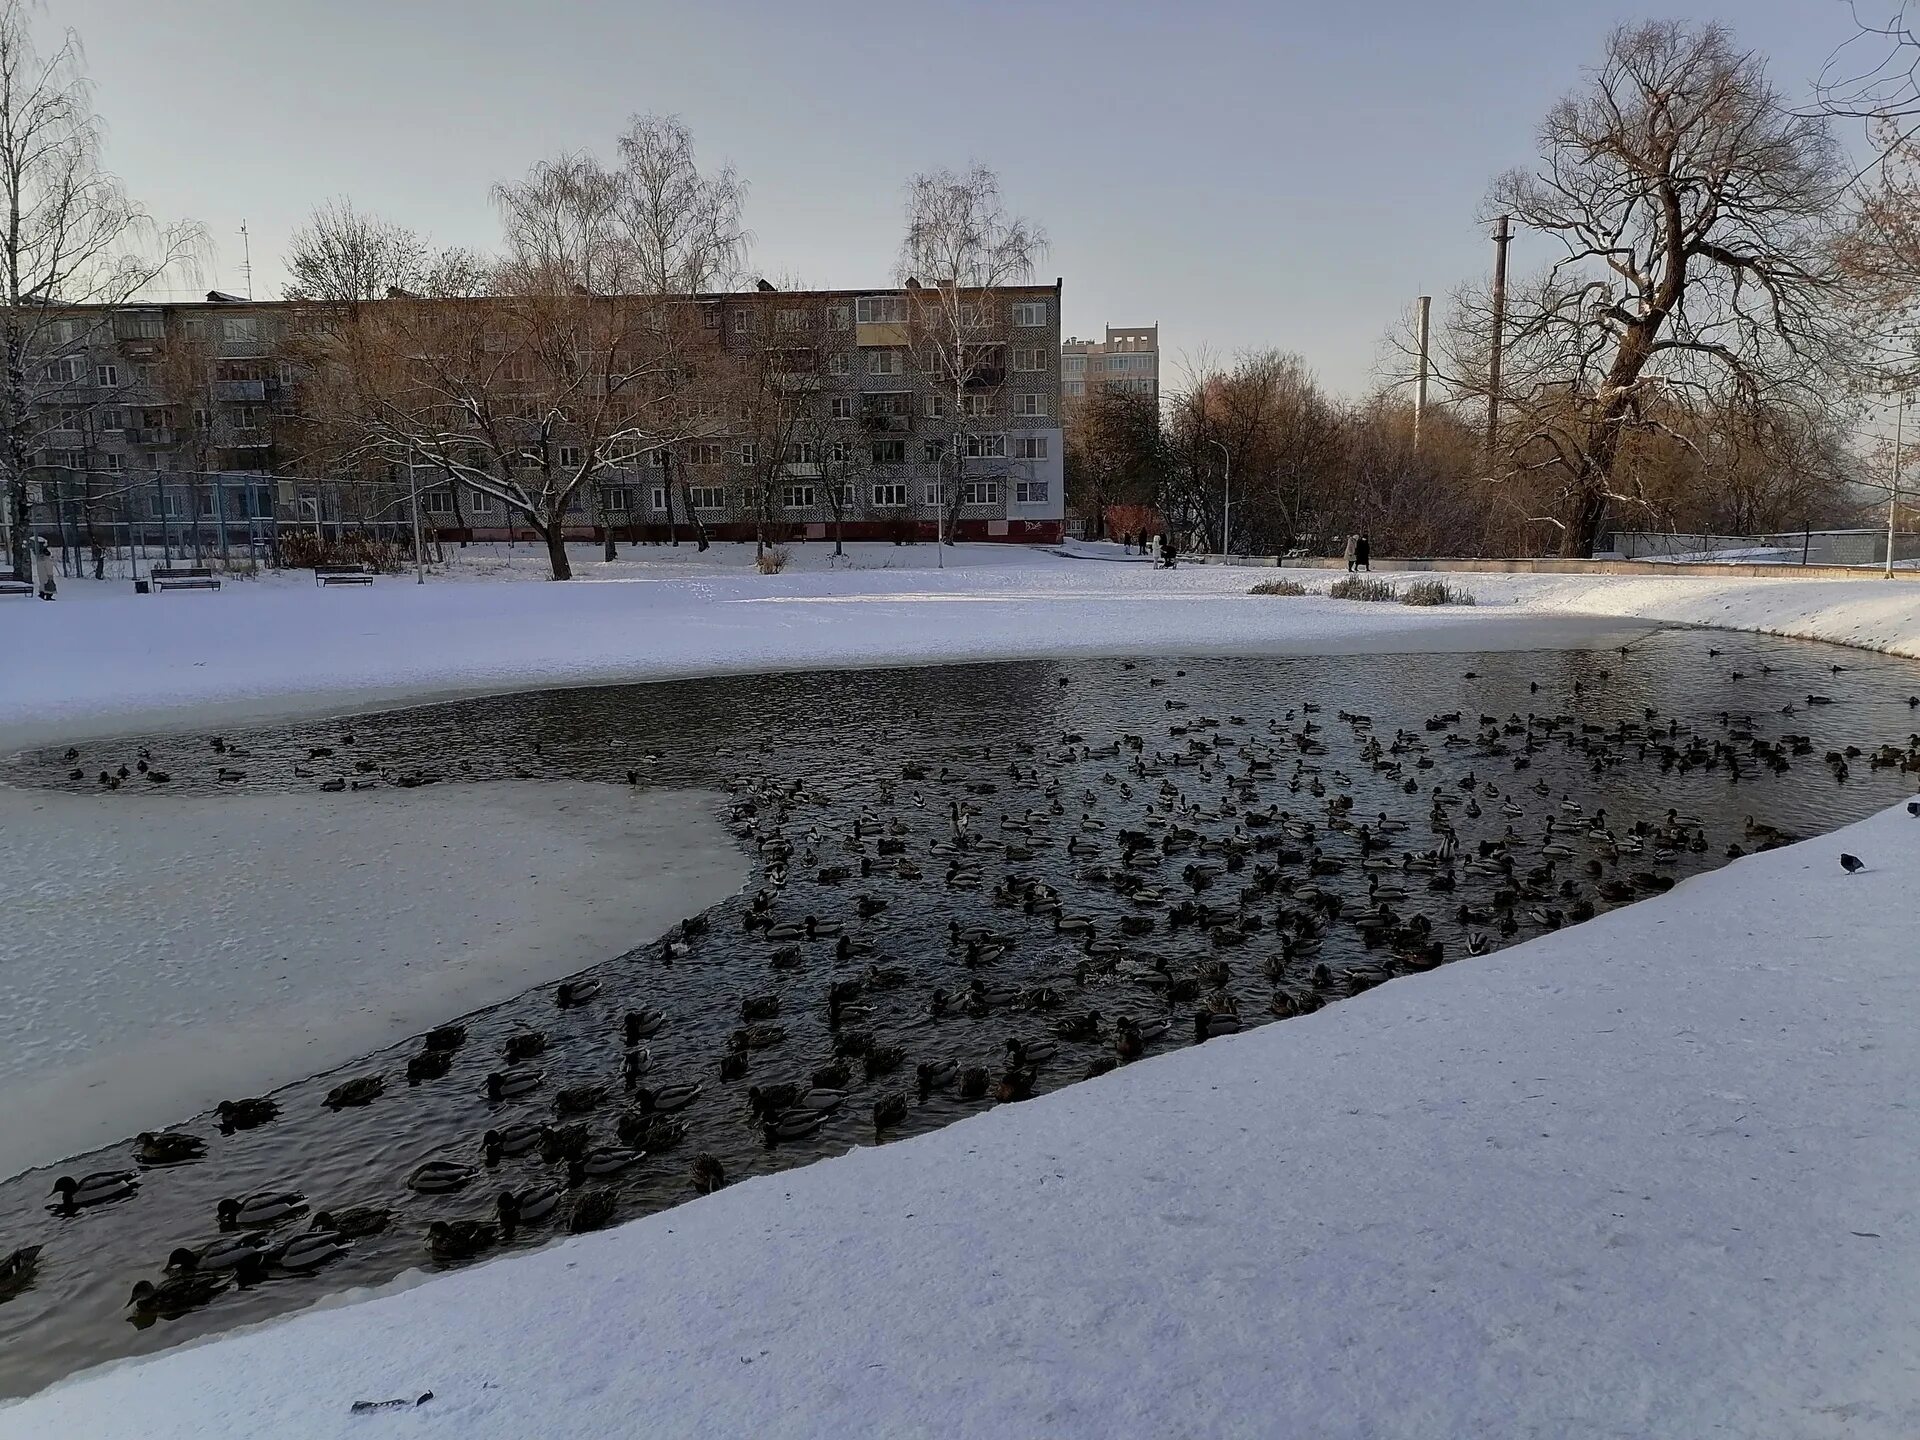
976, 927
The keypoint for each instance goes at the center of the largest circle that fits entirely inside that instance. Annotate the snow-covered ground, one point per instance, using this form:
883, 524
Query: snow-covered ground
160, 954
1654, 1175
101, 660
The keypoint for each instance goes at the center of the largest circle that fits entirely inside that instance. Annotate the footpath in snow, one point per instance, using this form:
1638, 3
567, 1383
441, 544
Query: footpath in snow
163, 953
1653, 1175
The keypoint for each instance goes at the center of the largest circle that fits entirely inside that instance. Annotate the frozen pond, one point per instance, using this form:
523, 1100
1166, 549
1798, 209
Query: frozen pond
1176, 842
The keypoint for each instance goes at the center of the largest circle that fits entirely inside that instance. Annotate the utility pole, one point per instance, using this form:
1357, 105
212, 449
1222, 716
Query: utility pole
1420, 388
1502, 233
1893, 490
246, 258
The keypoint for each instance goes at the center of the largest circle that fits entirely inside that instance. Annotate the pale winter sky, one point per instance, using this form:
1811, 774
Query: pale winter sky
1243, 172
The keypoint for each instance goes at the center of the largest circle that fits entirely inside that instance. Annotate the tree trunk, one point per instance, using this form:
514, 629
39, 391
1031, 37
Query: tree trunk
556, 537
837, 548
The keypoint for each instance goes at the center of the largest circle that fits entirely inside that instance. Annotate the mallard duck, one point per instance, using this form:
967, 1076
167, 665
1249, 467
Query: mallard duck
936, 1074
514, 1139
437, 1177
362, 1090
643, 1024
167, 1147
578, 1099
306, 1253
447, 1037
1210, 1023
267, 1207
592, 1210
18, 1269
602, 1160
668, 1098
222, 1254
1026, 1054
460, 1239
757, 1037
356, 1222
245, 1114
635, 1064
526, 1207
889, 1110
575, 992
175, 1295
524, 1045
759, 1007
98, 1188
509, 1084
734, 1065
1015, 1083
428, 1065
793, 1125
709, 1174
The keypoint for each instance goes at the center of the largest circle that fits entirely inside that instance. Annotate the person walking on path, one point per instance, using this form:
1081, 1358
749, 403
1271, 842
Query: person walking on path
1352, 552
1363, 554
44, 582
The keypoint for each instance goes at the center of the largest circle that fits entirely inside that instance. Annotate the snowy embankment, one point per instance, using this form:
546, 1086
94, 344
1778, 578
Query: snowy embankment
165, 953
1654, 1175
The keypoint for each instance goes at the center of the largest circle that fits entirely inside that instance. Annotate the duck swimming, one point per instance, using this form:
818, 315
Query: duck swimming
100, 1188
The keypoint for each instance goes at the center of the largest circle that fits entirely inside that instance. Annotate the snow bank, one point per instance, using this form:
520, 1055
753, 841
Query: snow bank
1653, 1175
163, 953
258, 651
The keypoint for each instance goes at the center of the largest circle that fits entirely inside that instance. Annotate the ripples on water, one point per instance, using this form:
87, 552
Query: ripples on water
844, 739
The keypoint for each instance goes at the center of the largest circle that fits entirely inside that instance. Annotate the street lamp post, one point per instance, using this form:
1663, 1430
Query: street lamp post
1893, 489
1226, 495
413, 495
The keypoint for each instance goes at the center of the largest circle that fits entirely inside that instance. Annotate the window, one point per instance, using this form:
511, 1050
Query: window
880, 309
436, 502
930, 496
68, 420
1030, 492
1071, 364
801, 452
798, 360
1030, 402
839, 318
1073, 387
246, 417
789, 320
704, 452
796, 497
142, 327
839, 363
109, 376
986, 447
64, 372
115, 463
930, 451
173, 505
569, 457
840, 452
240, 327
1030, 312
1031, 447
841, 407
707, 497
710, 317
657, 459
657, 498
206, 505
108, 419
884, 361
706, 409
619, 499
202, 419
889, 452
977, 405
980, 492
887, 495
749, 452
480, 502
936, 404
742, 322
1029, 358
888, 402
843, 496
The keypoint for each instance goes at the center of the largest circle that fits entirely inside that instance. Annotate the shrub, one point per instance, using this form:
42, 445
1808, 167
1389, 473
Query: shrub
303, 549
1279, 587
1360, 587
772, 560
1435, 592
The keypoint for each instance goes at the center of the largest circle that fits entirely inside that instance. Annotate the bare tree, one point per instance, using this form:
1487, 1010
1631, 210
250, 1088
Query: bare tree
961, 247
1114, 453
1690, 208
72, 237
343, 255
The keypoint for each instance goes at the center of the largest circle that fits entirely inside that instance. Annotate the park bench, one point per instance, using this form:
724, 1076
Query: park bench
12, 584
182, 577
324, 575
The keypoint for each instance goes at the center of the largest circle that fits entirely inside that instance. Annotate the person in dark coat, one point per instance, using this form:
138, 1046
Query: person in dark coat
1363, 554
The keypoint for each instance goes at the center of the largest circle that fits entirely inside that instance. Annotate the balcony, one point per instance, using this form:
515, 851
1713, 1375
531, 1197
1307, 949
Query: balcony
987, 377
248, 437
241, 389
154, 435
888, 424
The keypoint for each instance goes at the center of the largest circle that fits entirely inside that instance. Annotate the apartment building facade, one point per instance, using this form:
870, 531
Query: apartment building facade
1127, 361
164, 422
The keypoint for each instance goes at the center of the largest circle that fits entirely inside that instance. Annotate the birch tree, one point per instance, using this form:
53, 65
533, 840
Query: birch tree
72, 238
962, 245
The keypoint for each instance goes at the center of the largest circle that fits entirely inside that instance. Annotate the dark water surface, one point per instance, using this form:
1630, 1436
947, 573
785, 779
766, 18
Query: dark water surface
841, 768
